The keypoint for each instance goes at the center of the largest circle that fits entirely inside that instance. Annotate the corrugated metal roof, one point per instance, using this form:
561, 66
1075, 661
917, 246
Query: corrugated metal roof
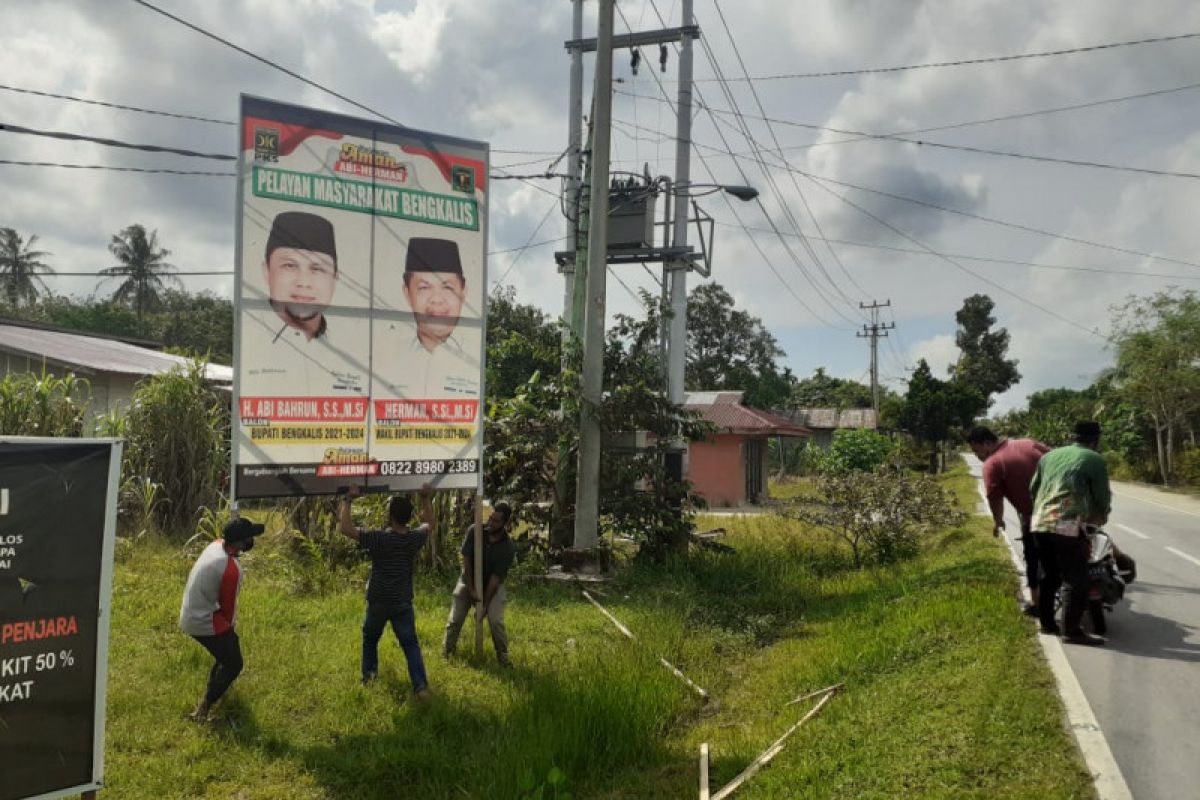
93, 354
727, 412
832, 419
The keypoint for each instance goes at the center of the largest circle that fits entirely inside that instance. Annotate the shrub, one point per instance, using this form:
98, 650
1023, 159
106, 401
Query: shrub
178, 429
882, 515
858, 450
43, 405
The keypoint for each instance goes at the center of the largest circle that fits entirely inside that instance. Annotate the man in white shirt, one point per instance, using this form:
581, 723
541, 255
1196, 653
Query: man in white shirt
209, 610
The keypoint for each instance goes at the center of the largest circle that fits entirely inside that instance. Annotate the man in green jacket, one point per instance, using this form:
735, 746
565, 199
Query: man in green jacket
1070, 489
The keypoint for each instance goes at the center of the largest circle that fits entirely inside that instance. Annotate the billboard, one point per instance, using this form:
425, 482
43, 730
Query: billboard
58, 507
360, 292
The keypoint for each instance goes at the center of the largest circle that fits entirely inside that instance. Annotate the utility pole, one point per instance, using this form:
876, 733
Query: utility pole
874, 331
574, 202
585, 264
587, 486
677, 332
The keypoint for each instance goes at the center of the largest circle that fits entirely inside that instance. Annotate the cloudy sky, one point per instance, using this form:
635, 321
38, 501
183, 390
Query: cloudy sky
836, 226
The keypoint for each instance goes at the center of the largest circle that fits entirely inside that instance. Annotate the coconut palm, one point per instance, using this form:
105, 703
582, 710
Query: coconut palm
143, 266
20, 267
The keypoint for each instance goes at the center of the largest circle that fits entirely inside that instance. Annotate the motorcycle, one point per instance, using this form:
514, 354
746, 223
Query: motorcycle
1109, 572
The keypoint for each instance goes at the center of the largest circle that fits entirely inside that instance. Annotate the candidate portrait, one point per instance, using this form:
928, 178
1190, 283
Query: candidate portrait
301, 271
434, 288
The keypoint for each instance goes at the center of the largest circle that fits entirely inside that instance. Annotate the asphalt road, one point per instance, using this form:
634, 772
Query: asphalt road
1144, 686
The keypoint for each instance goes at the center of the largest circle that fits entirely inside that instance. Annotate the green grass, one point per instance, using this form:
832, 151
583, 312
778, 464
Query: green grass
946, 694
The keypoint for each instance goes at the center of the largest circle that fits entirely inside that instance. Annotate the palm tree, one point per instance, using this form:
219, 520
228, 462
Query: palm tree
143, 267
20, 266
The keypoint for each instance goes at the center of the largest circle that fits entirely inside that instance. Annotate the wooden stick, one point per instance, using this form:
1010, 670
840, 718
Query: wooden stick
477, 557
833, 688
704, 771
770, 752
629, 634
703, 694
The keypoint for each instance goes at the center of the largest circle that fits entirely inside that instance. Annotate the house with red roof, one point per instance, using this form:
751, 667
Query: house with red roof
730, 468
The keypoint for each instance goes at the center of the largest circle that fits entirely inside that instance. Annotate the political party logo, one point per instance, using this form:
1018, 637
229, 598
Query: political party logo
266, 144
367, 162
462, 179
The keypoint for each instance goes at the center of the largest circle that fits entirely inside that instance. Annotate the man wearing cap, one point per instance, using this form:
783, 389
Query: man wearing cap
1008, 467
209, 608
294, 350
1070, 489
438, 361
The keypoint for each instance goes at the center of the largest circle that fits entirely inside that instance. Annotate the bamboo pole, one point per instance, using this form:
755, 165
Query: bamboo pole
771, 751
833, 688
704, 771
629, 634
478, 556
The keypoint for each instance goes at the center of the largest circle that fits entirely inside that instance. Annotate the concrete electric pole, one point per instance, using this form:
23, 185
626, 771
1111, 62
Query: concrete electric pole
874, 331
587, 263
587, 485
677, 329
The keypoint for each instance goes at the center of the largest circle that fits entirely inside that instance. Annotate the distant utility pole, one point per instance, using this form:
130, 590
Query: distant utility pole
874, 331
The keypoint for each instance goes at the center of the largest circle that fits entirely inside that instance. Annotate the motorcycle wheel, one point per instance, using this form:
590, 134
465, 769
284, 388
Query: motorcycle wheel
1096, 611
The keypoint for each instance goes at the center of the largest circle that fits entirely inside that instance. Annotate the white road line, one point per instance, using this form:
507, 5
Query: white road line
1097, 755
1156, 503
1184, 556
1128, 529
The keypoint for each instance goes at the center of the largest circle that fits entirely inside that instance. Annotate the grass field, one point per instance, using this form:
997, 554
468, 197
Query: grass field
945, 694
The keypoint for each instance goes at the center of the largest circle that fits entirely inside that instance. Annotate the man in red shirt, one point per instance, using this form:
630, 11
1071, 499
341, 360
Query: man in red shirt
1008, 467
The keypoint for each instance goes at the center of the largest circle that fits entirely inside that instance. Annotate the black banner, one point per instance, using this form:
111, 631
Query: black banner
55, 513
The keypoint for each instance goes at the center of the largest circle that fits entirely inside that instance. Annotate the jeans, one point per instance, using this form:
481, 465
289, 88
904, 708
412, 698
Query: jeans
1064, 560
461, 605
227, 650
404, 625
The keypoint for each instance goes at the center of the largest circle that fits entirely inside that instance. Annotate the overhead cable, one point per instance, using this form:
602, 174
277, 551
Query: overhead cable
6, 127
117, 106
947, 126
985, 60
992, 220
110, 168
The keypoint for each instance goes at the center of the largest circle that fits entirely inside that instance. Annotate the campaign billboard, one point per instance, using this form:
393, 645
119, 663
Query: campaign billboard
360, 290
58, 507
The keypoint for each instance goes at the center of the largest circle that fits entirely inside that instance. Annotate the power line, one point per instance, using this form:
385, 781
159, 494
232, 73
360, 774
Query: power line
117, 106
753, 241
987, 60
786, 165
743, 130
863, 135
988, 259
779, 147
948, 126
98, 275
155, 112
528, 244
110, 168
79, 137
267, 61
956, 265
